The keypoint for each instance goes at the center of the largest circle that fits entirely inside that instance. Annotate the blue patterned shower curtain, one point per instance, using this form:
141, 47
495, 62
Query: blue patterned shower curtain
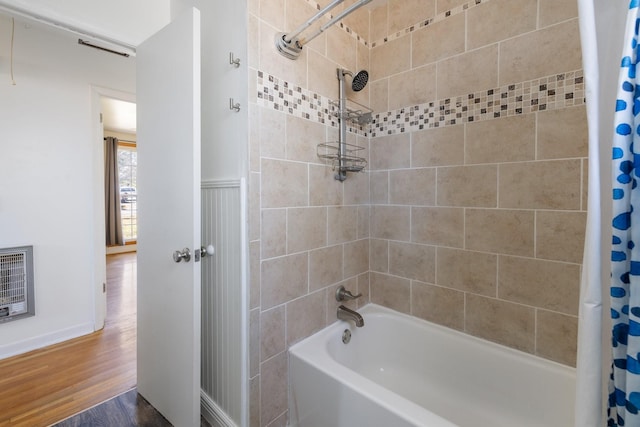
624, 384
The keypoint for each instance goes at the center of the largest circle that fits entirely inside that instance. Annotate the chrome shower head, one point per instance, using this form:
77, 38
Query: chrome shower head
360, 81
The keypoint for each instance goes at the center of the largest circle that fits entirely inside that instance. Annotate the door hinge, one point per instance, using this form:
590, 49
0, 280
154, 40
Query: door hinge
104, 288
100, 117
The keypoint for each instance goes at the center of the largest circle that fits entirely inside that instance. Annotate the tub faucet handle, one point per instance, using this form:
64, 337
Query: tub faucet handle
344, 295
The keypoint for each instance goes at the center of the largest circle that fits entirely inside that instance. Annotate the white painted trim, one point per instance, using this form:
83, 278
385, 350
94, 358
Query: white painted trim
99, 249
41, 341
112, 250
58, 22
221, 183
244, 282
212, 412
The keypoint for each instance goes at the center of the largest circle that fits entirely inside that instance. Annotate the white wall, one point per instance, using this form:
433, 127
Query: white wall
224, 132
47, 173
130, 22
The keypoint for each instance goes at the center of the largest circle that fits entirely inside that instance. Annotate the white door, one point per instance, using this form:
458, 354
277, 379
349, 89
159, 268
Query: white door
168, 98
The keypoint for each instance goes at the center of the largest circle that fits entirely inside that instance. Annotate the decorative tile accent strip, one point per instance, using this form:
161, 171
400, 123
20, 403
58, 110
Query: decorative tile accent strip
546, 93
341, 24
283, 96
440, 17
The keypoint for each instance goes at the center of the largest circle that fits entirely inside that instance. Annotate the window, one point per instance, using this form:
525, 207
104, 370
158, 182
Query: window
127, 168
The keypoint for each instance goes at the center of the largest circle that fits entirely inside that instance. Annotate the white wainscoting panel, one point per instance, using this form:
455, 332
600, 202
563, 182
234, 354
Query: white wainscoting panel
223, 302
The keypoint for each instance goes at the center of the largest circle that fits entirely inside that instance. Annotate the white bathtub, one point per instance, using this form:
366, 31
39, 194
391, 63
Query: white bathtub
400, 371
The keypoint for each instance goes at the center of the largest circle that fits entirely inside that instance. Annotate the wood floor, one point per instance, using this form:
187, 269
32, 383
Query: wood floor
45, 386
127, 410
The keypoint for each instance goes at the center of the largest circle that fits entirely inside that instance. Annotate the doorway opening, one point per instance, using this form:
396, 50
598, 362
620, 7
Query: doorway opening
119, 122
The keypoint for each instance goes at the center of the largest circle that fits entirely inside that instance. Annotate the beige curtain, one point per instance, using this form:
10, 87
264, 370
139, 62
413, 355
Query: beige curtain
112, 194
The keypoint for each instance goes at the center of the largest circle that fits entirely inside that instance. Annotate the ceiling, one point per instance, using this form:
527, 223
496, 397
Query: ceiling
118, 116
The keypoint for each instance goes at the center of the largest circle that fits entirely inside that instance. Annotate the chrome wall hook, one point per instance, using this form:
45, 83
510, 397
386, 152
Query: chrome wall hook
234, 61
234, 106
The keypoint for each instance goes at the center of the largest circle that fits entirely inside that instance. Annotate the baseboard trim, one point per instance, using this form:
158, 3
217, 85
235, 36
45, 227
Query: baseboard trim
35, 343
213, 413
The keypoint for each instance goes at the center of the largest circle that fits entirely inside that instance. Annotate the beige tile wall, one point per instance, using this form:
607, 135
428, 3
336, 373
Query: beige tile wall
309, 233
480, 226
477, 226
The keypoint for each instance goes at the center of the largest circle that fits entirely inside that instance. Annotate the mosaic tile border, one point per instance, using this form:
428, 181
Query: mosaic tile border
439, 17
429, 21
546, 93
340, 24
283, 96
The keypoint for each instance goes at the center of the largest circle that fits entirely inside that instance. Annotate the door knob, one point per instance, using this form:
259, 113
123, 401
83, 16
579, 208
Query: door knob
185, 255
209, 250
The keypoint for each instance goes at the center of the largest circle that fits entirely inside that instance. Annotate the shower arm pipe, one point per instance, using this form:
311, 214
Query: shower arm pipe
292, 36
333, 20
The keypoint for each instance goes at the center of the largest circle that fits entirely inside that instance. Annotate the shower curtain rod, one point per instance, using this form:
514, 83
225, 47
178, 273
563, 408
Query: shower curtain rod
123, 140
13, 10
290, 46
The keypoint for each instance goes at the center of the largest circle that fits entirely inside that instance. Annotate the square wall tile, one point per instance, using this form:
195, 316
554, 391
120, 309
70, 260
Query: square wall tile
379, 255
437, 226
324, 189
306, 229
274, 386
412, 261
342, 224
439, 40
379, 182
284, 184
356, 258
341, 47
390, 291
272, 332
390, 222
499, 20
272, 133
356, 189
274, 233
475, 186
284, 279
541, 185
302, 138
557, 337
560, 235
469, 72
546, 284
413, 87
306, 316
391, 58
508, 139
364, 220
563, 133
552, 50
379, 19
467, 271
390, 152
254, 274
438, 147
439, 305
503, 322
445, 5
412, 187
553, 11
405, 13
500, 231
325, 267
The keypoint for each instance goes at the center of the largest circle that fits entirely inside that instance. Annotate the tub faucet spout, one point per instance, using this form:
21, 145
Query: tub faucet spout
345, 313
